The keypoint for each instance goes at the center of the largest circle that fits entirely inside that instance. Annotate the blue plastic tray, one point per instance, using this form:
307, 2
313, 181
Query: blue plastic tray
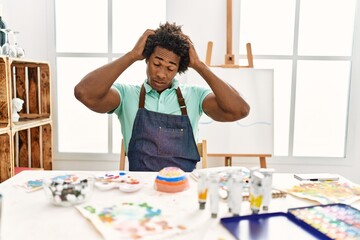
270, 226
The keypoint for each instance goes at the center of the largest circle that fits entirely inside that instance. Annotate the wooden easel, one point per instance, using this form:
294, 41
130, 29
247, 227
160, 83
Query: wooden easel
228, 157
230, 63
229, 56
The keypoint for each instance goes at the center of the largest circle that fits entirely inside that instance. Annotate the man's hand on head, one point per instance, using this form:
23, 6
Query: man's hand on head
137, 51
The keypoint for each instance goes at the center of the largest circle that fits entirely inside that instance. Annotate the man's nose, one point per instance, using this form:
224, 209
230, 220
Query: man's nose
161, 74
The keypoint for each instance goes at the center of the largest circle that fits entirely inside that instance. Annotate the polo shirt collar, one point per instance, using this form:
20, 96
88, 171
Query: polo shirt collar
174, 86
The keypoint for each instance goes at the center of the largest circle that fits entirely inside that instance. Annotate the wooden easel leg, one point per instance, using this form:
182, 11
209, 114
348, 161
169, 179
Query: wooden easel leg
249, 55
228, 161
262, 162
208, 53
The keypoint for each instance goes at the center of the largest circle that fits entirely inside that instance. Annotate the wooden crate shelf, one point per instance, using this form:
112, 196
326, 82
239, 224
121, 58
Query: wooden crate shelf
29, 139
33, 147
32, 84
6, 154
4, 94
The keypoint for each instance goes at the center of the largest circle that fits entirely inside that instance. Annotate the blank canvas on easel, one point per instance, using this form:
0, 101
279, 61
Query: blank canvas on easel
253, 134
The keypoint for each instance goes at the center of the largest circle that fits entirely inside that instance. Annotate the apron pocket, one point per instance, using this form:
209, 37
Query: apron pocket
170, 141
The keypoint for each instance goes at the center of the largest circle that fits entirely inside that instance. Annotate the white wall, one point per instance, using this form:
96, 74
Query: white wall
30, 18
203, 21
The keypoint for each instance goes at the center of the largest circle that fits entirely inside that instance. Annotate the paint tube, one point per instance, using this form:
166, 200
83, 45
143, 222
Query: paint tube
235, 193
229, 192
253, 169
256, 191
202, 189
267, 187
214, 194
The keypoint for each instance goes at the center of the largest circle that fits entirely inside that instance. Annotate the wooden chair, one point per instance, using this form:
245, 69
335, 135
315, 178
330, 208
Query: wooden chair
202, 148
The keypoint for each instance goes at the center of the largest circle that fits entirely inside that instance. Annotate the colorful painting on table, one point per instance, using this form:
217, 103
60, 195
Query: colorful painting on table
32, 185
130, 220
326, 192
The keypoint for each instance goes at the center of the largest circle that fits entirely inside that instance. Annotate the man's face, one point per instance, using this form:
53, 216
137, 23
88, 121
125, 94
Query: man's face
162, 67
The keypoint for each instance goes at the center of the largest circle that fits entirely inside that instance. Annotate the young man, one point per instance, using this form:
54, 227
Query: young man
159, 119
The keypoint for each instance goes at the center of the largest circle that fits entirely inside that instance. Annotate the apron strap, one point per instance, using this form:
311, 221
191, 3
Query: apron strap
142, 97
181, 102
180, 97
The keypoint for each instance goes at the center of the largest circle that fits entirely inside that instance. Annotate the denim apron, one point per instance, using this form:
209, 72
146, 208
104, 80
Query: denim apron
161, 140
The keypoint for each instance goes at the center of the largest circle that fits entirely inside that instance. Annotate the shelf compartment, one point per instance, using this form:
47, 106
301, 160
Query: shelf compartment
31, 83
33, 146
4, 94
6, 159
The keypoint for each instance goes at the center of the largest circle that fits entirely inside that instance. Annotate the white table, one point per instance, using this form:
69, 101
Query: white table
31, 216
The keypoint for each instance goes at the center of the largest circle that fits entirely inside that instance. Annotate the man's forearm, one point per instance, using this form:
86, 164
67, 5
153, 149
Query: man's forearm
98, 82
227, 97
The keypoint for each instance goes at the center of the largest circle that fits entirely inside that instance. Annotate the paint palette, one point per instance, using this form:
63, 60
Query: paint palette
337, 221
121, 180
326, 222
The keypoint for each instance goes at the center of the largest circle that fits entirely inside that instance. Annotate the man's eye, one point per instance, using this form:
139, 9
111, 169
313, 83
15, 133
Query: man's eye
157, 64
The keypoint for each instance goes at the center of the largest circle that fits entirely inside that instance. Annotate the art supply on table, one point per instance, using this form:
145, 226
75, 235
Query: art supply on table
214, 194
253, 169
32, 185
326, 192
69, 189
235, 193
267, 186
270, 226
121, 180
337, 221
133, 220
256, 191
171, 180
202, 189
274, 194
316, 177
114, 176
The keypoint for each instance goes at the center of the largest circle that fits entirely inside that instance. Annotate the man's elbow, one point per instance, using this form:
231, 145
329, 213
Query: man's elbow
242, 112
80, 93
246, 110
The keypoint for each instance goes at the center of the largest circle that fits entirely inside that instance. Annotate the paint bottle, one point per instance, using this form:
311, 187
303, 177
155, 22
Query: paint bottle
267, 187
202, 189
235, 193
256, 191
214, 194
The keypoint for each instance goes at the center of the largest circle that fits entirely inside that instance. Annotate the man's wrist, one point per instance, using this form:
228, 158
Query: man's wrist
133, 57
199, 65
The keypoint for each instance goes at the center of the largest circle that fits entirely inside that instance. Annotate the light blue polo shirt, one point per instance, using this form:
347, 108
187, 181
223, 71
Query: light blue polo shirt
166, 102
